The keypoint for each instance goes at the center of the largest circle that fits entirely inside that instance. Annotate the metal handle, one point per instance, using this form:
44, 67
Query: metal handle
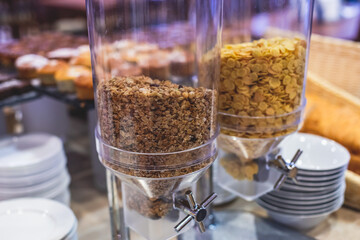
289, 169
194, 211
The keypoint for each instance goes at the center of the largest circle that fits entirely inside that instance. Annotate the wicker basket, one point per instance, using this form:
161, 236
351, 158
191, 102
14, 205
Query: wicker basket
334, 73
337, 62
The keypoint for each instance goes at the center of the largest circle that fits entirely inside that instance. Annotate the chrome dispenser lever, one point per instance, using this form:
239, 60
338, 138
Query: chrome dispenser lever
288, 169
194, 211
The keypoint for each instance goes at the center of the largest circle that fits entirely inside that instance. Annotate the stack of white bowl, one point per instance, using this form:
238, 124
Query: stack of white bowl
320, 186
33, 165
36, 219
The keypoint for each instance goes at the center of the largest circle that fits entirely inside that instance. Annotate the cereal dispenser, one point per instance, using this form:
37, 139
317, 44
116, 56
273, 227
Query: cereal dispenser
155, 67
261, 91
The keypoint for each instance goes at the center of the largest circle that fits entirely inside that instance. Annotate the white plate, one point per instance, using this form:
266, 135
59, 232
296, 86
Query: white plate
319, 154
29, 154
72, 235
63, 197
37, 190
300, 212
26, 181
35, 219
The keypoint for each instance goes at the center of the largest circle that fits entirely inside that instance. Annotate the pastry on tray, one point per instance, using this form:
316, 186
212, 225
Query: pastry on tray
84, 87
65, 77
47, 73
83, 58
182, 63
28, 65
64, 54
13, 87
156, 66
126, 69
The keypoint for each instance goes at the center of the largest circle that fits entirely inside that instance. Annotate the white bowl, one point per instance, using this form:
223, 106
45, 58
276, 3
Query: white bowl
319, 153
310, 173
298, 222
323, 205
303, 201
306, 195
297, 188
300, 212
316, 183
331, 208
316, 178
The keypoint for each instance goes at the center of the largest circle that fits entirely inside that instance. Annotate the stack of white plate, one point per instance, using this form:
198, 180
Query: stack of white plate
320, 188
33, 165
36, 219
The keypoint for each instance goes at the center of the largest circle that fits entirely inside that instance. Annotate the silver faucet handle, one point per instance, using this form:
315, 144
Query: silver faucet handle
195, 212
288, 169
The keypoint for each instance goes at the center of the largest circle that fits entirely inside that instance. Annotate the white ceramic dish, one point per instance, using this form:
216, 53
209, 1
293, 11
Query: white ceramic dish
315, 184
319, 154
297, 188
315, 178
35, 219
301, 202
300, 206
298, 222
29, 154
305, 195
309, 173
63, 197
30, 180
35, 191
72, 235
267, 206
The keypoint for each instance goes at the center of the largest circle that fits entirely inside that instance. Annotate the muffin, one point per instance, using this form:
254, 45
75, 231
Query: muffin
126, 69
83, 59
64, 54
135, 53
156, 66
28, 65
84, 87
46, 73
65, 77
182, 63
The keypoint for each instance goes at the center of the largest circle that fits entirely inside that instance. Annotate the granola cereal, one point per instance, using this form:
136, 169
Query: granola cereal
261, 85
142, 115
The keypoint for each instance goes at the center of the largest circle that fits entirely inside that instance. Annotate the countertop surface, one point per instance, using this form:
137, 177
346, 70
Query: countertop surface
90, 207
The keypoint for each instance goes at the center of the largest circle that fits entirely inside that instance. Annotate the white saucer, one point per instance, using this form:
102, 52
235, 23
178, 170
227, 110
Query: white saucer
30, 180
29, 154
35, 219
37, 190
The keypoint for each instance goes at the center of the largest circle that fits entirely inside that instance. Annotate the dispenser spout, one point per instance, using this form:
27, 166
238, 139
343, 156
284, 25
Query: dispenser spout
195, 211
288, 169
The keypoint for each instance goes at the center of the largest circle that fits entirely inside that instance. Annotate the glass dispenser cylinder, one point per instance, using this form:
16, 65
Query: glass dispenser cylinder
155, 66
261, 89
